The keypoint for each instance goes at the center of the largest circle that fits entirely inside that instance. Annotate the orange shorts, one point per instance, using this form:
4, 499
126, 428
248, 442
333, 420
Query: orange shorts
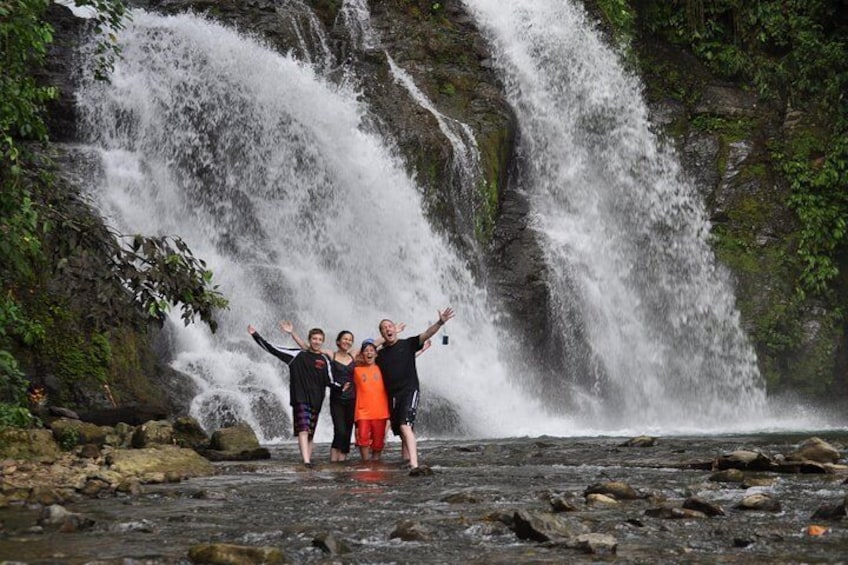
371, 433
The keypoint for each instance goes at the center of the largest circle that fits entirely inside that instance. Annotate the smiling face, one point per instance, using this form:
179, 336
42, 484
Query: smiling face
316, 340
344, 342
388, 331
369, 353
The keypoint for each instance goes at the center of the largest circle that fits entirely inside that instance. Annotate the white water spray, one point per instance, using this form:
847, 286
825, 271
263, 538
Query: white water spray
264, 169
620, 223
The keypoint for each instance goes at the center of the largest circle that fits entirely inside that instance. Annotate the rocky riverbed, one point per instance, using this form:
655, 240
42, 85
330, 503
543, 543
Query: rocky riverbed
541, 500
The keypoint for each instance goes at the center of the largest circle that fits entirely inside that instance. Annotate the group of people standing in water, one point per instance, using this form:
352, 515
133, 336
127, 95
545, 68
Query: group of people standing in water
369, 387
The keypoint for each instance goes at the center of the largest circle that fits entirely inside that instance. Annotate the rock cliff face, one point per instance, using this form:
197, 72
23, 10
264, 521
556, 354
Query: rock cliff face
721, 132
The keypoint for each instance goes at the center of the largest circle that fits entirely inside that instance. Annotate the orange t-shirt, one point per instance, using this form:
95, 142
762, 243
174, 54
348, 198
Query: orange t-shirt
372, 402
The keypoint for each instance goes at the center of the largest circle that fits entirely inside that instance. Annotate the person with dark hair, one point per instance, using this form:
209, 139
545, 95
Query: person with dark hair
396, 360
310, 373
342, 398
372, 404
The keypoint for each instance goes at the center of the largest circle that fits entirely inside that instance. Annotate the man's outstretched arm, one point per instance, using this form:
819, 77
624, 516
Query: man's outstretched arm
444, 316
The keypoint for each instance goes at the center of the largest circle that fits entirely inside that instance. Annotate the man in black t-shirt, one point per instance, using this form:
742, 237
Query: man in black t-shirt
310, 375
396, 360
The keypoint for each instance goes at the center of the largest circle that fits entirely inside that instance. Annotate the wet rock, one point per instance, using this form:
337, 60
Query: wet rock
93, 487
749, 482
564, 504
728, 476
154, 432
595, 544
759, 501
614, 489
186, 462
256, 454
701, 505
543, 526
743, 459
231, 554
596, 499
328, 543
61, 412
240, 437
670, 513
131, 486
815, 449
461, 498
506, 517
409, 530
45, 495
640, 441
189, 433
836, 511
802, 467
57, 515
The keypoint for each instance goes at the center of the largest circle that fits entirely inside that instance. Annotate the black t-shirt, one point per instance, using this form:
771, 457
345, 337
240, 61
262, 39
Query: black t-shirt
397, 363
309, 372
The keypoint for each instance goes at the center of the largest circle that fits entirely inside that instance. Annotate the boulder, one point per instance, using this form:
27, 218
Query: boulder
544, 526
640, 441
816, 450
240, 437
744, 459
728, 476
33, 445
669, 513
231, 554
564, 504
189, 433
69, 433
163, 459
154, 432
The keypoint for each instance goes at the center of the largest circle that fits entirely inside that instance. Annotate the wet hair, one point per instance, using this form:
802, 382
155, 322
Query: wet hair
342, 334
315, 331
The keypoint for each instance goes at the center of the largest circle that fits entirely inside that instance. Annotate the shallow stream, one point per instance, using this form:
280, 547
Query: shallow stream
280, 503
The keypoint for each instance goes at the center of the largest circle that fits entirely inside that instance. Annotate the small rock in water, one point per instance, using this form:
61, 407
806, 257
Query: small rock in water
728, 476
411, 531
596, 544
640, 441
759, 501
543, 526
596, 499
701, 505
616, 489
669, 513
563, 504
328, 543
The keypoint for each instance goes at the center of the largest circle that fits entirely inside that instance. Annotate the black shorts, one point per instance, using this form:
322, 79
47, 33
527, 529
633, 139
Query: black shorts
403, 410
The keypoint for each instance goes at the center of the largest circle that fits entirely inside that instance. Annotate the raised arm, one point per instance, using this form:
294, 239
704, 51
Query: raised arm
285, 354
426, 346
288, 328
444, 316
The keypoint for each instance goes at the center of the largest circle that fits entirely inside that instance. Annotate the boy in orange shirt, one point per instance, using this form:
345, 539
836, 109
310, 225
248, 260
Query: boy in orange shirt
372, 404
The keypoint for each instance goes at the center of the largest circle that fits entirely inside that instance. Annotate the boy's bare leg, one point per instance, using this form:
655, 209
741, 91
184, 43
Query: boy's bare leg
409, 445
365, 452
375, 455
336, 454
304, 443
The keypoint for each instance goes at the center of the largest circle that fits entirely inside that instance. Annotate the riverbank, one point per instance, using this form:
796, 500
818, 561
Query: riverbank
488, 501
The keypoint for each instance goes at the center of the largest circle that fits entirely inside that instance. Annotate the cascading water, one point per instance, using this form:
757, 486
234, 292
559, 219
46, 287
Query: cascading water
264, 169
620, 224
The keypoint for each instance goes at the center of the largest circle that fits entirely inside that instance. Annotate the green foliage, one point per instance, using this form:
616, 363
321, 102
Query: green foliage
620, 17
14, 416
68, 439
820, 200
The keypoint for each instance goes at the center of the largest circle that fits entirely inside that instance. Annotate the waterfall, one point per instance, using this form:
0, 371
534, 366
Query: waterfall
624, 233
266, 170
